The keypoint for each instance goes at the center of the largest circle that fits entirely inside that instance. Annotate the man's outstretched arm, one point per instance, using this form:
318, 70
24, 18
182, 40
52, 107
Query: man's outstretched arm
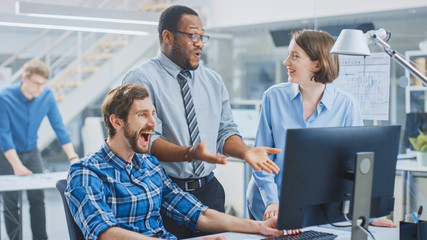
216, 222
168, 152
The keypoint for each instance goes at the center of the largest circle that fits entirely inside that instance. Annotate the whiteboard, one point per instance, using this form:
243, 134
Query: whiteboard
368, 80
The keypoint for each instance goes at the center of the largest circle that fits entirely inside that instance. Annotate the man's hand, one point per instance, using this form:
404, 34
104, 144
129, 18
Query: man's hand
271, 228
258, 159
271, 211
18, 168
268, 228
74, 161
21, 170
201, 152
383, 222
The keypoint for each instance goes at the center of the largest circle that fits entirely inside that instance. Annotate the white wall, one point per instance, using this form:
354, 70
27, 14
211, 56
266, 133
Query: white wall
226, 13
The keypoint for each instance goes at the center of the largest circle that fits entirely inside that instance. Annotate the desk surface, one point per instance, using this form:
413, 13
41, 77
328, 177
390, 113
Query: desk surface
410, 165
379, 233
35, 181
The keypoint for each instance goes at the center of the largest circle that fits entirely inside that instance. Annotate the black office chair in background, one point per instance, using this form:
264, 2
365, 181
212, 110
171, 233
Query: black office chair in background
73, 230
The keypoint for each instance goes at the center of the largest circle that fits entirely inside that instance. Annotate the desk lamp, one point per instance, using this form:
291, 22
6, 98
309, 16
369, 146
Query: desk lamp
354, 42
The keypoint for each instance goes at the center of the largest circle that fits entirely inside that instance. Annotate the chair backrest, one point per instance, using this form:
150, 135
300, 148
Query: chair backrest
73, 229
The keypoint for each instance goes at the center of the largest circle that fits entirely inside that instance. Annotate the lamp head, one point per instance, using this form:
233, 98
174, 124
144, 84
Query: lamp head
374, 35
351, 42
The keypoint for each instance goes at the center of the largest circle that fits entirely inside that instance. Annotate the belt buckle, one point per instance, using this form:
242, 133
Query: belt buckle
189, 189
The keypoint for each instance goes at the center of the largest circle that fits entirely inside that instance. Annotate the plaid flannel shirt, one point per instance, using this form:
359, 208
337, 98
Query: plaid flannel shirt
104, 190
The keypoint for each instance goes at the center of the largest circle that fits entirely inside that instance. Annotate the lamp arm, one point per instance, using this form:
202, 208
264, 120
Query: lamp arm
401, 60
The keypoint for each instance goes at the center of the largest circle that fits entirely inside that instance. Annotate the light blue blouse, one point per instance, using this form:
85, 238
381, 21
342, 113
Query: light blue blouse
282, 109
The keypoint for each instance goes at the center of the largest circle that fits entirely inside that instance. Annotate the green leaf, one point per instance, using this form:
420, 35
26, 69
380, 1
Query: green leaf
420, 142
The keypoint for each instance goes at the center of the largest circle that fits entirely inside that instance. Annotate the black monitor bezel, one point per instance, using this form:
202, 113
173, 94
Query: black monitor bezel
312, 194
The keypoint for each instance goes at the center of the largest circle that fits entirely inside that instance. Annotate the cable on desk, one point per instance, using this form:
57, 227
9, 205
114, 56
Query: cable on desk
329, 222
366, 231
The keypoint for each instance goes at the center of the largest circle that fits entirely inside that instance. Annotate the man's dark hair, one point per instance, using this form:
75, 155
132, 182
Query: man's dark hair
119, 101
171, 16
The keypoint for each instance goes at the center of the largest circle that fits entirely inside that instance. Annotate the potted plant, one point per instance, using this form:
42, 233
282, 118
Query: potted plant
420, 144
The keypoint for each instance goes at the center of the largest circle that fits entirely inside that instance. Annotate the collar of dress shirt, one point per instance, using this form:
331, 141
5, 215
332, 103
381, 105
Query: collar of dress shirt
119, 163
170, 67
327, 98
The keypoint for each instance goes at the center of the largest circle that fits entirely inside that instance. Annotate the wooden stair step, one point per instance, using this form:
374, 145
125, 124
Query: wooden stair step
86, 69
98, 56
59, 98
66, 84
112, 43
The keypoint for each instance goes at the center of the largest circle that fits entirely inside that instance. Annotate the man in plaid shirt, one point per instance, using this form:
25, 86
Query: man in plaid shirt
119, 191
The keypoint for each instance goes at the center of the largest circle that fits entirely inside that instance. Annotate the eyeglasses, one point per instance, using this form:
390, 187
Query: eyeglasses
37, 84
194, 37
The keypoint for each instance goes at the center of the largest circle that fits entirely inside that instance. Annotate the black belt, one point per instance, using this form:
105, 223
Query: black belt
192, 184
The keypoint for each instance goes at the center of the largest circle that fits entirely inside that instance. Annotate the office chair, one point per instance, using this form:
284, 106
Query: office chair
73, 230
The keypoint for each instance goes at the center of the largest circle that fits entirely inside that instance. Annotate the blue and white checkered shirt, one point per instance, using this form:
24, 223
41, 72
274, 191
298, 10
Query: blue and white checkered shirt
104, 190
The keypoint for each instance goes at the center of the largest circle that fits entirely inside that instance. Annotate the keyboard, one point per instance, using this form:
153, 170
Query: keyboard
307, 235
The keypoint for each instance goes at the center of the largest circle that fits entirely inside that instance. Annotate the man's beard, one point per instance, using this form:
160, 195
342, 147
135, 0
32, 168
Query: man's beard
177, 53
132, 137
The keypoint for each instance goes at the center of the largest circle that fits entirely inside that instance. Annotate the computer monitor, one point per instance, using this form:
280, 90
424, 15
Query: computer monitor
316, 180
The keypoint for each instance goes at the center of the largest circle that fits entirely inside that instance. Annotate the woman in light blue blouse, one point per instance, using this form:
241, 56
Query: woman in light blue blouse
307, 100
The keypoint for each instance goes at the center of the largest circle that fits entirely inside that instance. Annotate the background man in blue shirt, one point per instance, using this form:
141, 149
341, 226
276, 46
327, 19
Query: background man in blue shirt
23, 106
119, 191
182, 40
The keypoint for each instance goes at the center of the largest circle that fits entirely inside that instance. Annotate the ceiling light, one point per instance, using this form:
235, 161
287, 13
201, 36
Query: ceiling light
85, 13
75, 25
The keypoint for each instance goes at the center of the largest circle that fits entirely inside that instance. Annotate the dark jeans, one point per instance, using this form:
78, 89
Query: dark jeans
212, 195
33, 161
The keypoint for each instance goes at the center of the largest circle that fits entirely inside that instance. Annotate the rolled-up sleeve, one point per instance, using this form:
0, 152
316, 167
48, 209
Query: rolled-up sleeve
56, 122
227, 126
87, 204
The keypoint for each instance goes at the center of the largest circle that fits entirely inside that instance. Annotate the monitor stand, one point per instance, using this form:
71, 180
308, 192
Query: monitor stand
363, 175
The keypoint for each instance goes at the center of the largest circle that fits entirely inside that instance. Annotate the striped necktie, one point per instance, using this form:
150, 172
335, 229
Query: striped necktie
190, 113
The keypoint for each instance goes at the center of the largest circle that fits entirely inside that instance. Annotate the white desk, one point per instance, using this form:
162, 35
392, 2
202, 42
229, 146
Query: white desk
408, 167
379, 233
35, 181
